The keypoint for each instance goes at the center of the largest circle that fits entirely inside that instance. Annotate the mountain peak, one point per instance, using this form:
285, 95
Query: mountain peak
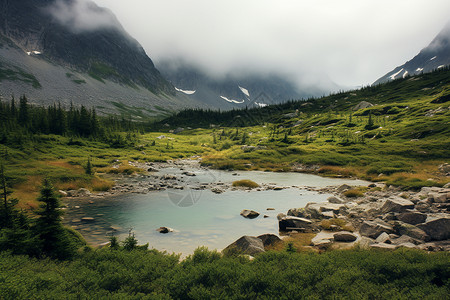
435, 56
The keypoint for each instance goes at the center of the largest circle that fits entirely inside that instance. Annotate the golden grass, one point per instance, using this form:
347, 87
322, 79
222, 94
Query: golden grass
353, 193
326, 224
27, 193
300, 241
245, 183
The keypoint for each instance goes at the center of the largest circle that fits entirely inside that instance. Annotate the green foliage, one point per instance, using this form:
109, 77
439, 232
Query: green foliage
399, 274
53, 238
290, 248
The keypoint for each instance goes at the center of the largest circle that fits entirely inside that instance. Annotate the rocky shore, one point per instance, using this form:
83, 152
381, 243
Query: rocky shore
384, 217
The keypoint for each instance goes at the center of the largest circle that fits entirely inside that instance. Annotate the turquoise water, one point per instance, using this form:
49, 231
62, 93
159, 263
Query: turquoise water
210, 219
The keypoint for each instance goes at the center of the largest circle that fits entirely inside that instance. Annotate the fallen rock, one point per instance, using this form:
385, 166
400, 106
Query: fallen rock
407, 245
335, 200
217, 190
249, 214
164, 229
249, 245
405, 239
343, 188
297, 212
374, 228
383, 238
384, 246
437, 227
295, 223
344, 236
412, 217
412, 231
270, 208
269, 239
396, 204
189, 173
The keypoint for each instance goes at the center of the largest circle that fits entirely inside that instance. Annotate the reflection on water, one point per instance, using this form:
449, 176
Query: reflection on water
212, 220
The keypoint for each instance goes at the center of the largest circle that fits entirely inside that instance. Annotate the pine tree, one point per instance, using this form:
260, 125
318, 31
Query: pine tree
23, 111
53, 238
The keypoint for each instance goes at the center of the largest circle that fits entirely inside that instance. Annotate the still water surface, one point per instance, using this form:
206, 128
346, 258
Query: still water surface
204, 218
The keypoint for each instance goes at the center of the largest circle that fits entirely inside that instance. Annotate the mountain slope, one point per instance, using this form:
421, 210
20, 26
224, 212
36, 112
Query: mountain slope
75, 51
436, 55
233, 90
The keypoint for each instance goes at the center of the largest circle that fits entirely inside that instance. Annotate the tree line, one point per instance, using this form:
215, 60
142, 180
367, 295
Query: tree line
19, 119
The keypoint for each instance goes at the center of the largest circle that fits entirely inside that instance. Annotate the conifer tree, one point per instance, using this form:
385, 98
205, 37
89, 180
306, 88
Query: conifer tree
53, 238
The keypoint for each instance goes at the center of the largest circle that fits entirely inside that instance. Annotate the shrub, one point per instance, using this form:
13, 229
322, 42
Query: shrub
353, 193
245, 183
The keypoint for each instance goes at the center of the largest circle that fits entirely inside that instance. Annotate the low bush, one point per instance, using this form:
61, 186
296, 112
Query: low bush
245, 183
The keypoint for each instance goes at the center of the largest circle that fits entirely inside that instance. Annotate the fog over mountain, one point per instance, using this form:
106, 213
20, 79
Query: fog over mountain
351, 42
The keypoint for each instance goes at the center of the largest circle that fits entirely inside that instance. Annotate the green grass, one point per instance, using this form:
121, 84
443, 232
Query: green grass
18, 74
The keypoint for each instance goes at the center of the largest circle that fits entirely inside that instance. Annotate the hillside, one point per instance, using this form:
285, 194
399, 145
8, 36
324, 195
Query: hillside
49, 52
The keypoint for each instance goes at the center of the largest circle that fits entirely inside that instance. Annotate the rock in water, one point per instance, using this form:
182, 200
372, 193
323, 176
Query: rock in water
164, 229
249, 214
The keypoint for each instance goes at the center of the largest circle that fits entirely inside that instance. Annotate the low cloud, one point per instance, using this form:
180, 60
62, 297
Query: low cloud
82, 15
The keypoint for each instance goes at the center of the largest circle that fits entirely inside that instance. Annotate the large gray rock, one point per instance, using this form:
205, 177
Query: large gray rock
383, 238
412, 217
269, 239
344, 236
412, 231
249, 245
335, 200
374, 228
437, 227
405, 239
317, 210
292, 223
396, 204
249, 214
297, 212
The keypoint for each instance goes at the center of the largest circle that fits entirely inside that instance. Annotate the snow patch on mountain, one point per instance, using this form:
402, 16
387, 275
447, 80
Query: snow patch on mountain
441, 66
395, 75
185, 92
419, 69
405, 74
434, 57
245, 91
231, 100
261, 104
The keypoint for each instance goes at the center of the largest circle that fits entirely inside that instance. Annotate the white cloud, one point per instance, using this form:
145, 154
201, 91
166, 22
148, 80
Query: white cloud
353, 42
82, 15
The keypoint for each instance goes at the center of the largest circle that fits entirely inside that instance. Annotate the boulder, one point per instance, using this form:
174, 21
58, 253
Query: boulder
344, 236
297, 212
383, 238
249, 214
164, 229
362, 105
396, 204
323, 239
292, 223
343, 188
335, 200
249, 245
269, 239
438, 197
280, 216
405, 239
437, 227
407, 245
374, 228
412, 217
412, 231
365, 242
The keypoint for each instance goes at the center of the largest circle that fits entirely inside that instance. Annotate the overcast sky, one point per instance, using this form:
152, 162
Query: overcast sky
353, 42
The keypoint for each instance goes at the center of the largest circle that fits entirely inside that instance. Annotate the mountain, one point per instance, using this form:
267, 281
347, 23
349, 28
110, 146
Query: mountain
233, 90
435, 56
73, 50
